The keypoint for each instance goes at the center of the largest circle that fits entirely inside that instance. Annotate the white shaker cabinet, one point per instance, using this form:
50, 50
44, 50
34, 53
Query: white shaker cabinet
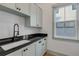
39, 16
41, 47
23, 8
44, 45
26, 51
9, 5
33, 20
19, 8
29, 50
36, 16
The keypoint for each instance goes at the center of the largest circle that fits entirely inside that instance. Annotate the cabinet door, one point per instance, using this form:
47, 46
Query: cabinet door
44, 45
23, 8
39, 48
9, 5
39, 17
29, 50
33, 19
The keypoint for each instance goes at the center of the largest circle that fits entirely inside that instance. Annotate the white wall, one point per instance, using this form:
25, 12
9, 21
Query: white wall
7, 21
65, 47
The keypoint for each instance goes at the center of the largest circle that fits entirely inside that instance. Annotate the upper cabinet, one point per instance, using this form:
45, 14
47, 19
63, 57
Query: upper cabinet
17, 8
9, 5
39, 17
33, 20
32, 12
36, 16
23, 8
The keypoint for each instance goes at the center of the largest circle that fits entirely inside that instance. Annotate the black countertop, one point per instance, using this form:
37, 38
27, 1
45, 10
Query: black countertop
32, 38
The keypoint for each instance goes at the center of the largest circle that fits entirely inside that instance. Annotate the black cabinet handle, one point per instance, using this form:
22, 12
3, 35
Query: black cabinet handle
17, 8
26, 48
39, 41
44, 39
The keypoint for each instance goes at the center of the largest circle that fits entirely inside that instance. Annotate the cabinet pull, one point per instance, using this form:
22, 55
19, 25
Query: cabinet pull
26, 48
17, 8
44, 39
39, 41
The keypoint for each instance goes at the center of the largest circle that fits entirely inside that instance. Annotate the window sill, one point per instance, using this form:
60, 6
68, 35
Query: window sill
65, 38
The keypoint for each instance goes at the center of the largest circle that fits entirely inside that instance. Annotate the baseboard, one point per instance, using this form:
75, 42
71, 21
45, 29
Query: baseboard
56, 53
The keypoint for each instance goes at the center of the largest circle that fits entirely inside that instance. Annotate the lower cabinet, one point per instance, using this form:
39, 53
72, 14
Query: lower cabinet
26, 51
35, 49
29, 50
44, 45
41, 47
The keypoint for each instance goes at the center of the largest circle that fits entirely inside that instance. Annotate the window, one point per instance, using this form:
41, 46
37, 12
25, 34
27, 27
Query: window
74, 7
65, 22
57, 10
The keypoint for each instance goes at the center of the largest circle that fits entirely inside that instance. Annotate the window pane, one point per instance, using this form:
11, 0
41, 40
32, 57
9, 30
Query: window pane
59, 14
70, 32
74, 7
69, 24
59, 24
60, 32
57, 10
69, 13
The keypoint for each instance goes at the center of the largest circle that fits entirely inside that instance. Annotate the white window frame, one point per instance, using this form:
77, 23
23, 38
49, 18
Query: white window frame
64, 37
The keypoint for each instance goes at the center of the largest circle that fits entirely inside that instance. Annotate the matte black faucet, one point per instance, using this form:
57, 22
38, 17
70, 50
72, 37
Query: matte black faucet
14, 33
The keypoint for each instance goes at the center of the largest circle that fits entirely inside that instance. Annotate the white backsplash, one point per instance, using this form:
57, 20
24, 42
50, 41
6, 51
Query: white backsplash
7, 21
